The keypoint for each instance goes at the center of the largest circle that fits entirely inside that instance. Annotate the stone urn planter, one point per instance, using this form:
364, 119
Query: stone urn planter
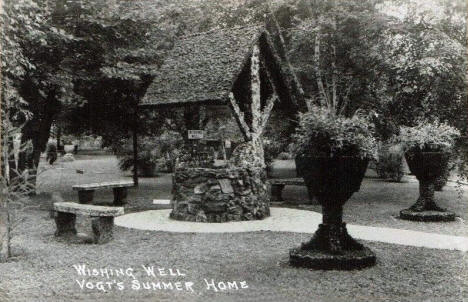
301, 164
442, 180
427, 167
332, 180
220, 194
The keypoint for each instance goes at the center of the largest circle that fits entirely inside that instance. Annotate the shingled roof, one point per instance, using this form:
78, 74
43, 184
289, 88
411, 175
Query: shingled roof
204, 68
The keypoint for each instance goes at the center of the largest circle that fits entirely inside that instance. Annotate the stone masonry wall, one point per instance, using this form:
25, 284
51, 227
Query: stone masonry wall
220, 195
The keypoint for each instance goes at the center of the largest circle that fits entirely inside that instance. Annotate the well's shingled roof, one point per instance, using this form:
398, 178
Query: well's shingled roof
202, 67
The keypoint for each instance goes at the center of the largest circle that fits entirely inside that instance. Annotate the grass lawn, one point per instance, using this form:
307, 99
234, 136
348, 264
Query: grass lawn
42, 267
378, 203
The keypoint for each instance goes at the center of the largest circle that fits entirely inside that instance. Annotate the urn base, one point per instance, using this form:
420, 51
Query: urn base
332, 247
427, 216
317, 259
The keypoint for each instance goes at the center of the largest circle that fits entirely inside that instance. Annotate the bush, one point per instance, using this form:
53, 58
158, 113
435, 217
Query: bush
389, 164
277, 137
428, 137
321, 132
273, 147
284, 156
147, 155
153, 152
431, 137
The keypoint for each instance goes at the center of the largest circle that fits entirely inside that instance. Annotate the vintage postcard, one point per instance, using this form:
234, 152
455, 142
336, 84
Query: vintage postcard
233, 150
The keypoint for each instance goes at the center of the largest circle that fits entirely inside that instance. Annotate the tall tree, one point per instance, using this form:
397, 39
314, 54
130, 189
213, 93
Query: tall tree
20, 21
35, 81
335, 49
427, 56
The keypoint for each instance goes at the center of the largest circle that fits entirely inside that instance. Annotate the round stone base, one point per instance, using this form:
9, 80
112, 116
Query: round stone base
427, 216
220, 194
316, 259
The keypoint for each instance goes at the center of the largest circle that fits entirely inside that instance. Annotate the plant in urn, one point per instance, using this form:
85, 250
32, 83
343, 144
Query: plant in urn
332, 153
428, 146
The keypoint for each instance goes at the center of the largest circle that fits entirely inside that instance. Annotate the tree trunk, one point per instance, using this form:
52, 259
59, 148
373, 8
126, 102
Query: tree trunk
11, 164
60, 148
135, 157
334, 103
257, 117
321, 87
38, 132
4, 232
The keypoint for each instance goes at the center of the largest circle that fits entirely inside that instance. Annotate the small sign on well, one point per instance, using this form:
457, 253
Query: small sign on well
196, 134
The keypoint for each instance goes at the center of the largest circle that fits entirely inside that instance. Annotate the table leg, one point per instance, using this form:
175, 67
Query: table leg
85, 196
65, 224
102, 229
120, 196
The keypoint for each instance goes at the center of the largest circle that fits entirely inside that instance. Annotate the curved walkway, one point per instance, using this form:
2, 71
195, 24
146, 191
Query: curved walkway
290, 220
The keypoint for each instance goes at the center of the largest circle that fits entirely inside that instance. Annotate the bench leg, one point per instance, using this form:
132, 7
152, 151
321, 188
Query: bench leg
65, 224
102, 229
85, 196
120, 196
276, 191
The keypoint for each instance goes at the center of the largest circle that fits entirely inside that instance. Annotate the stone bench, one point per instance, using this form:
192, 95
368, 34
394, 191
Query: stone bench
277, 186
102, 219
86, 191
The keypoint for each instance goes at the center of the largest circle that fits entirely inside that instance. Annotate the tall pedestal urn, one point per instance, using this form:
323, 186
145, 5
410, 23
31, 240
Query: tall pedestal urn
428, 167
332, 180
442, 180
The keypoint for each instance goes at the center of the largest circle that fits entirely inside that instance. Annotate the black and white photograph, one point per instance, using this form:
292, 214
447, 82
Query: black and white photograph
233, 150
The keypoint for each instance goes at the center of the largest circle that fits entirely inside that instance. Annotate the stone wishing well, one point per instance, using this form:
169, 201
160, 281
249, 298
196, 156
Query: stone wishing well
239, 191
220, 195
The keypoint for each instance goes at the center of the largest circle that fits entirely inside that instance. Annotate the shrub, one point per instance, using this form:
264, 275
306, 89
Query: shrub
277, 136
284, 156
159, 152
148, 154
322, 132
428, 136
389, 162
170, 151
273, 147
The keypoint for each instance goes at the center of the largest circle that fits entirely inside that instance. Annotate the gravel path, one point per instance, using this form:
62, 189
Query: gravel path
290, 220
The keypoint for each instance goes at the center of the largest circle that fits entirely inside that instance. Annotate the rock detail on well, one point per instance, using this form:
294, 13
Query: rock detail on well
220, 195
